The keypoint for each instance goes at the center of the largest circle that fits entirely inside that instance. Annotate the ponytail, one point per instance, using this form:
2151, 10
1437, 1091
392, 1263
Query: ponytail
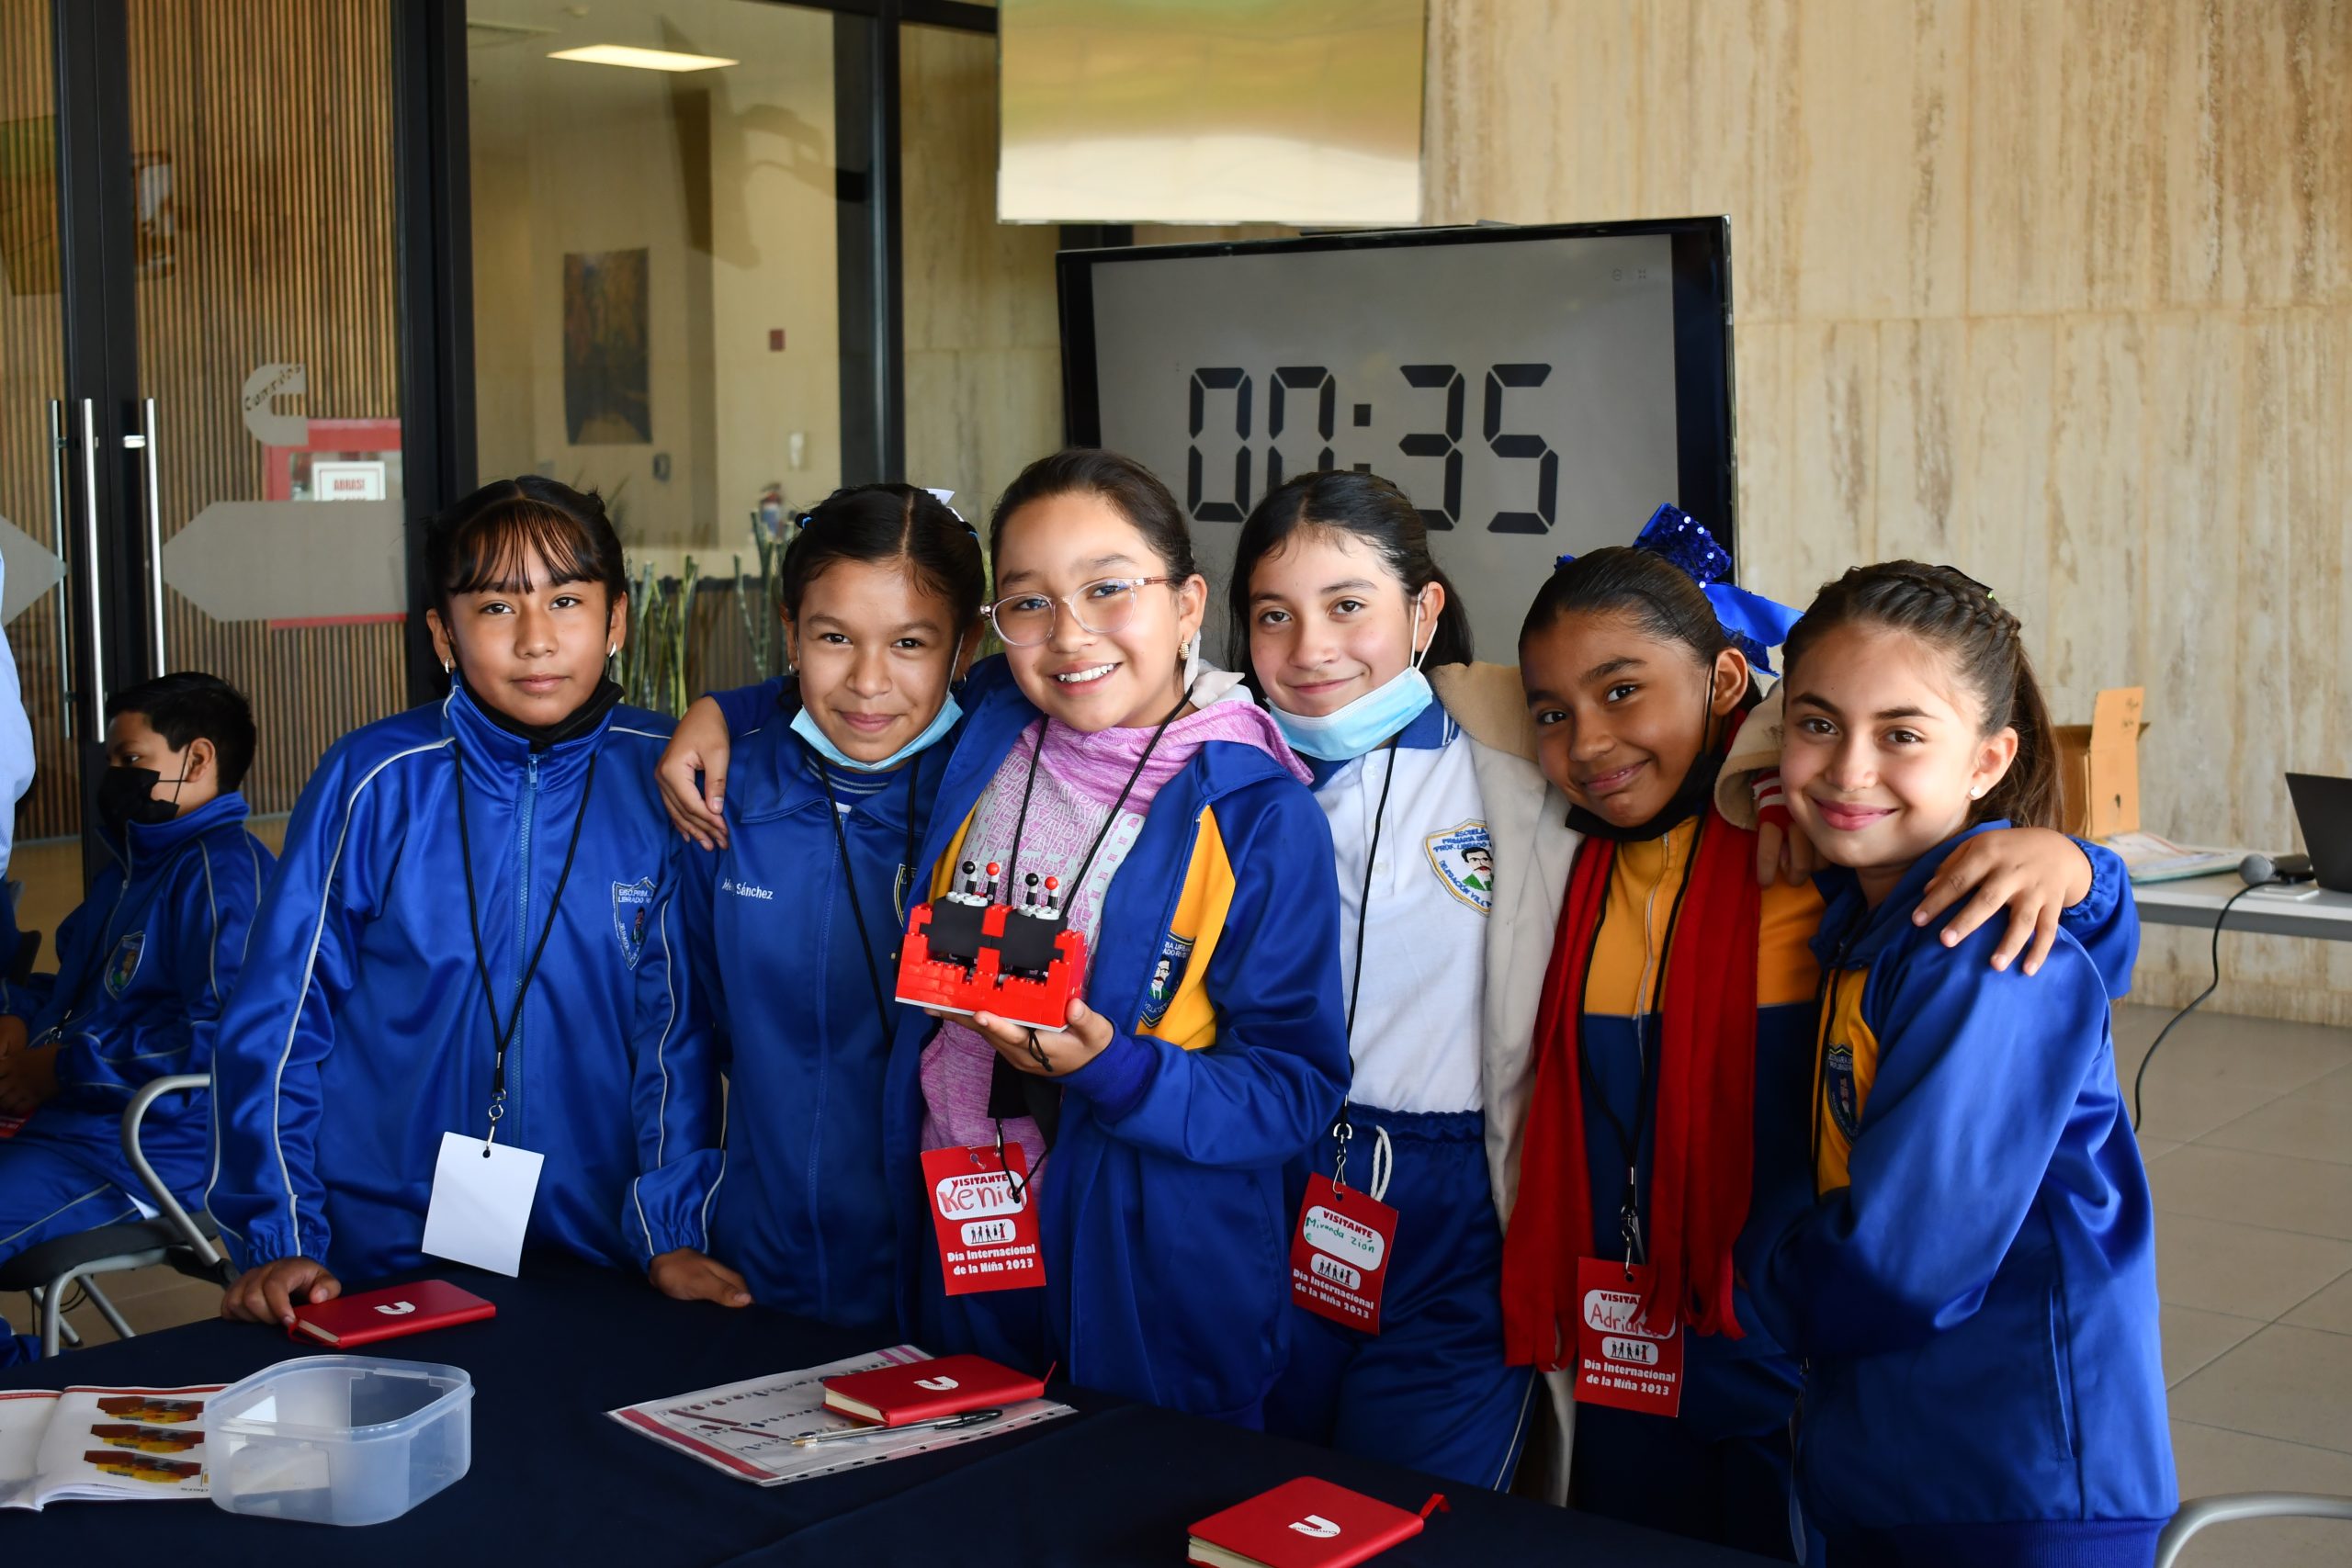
1954, 612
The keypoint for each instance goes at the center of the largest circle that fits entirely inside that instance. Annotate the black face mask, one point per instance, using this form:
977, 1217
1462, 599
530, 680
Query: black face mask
128, 795
1698, 790
572, 727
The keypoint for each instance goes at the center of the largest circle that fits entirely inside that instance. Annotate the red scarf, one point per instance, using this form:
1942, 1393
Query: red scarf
1701, 1149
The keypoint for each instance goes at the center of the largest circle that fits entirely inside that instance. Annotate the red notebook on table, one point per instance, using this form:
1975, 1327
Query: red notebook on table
927, 1391
1305, 1523
388, 1314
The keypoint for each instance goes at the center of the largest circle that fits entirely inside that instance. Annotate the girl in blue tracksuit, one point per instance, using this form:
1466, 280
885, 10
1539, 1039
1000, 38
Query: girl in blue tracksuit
792, 916
1209, 1051
1674, 1036
1336, 606
471, 926
1973, 1281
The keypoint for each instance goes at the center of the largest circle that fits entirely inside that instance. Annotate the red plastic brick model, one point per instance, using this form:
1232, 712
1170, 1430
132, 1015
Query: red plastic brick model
966, 953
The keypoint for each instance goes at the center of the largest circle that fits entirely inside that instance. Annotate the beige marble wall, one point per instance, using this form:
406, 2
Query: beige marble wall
983, 344
2057, 290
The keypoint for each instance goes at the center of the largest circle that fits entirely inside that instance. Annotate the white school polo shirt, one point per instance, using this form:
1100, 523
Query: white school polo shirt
1416, 1041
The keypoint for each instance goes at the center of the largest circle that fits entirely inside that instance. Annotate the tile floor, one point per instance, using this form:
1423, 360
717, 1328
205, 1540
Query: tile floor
2249, 1147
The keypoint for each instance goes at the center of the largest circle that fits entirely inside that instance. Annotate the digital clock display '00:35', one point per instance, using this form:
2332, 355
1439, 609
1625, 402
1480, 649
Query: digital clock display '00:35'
1302, 405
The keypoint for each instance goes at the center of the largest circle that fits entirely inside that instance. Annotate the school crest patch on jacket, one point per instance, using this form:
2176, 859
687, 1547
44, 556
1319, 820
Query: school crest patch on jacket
1166, 978
1464, 858
1837, 1089
632, 912
124, 965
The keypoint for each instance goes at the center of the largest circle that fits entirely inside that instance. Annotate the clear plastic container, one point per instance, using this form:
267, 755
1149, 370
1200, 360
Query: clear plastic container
339, 1439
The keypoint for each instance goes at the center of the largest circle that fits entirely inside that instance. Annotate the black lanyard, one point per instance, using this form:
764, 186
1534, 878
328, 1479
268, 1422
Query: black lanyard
1042, 1096
504, 1035
1020, 822
1628, 1139
849, 875
1344, 1130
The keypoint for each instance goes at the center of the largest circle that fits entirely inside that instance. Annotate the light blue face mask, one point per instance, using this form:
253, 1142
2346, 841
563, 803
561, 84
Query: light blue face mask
804, 725
1365, 723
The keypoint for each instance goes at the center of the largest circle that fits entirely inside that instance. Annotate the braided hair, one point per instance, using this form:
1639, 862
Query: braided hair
1956, 615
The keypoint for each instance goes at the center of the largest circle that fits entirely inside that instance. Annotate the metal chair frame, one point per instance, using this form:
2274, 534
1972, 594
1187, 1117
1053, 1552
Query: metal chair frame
2200, 1512
179, 1240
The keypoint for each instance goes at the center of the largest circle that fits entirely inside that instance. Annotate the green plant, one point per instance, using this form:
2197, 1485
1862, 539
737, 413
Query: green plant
654, 662
759, 605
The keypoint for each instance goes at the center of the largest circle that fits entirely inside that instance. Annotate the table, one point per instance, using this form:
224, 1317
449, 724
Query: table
2195, 900
554, 1480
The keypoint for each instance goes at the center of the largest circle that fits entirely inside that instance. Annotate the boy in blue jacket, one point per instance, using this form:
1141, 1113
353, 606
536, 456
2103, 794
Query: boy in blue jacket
472, 934
1973, 1281
144, 965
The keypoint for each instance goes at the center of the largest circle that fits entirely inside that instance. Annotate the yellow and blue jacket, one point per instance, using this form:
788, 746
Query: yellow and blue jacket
1742, 1387
1161, 1207
1965, 1249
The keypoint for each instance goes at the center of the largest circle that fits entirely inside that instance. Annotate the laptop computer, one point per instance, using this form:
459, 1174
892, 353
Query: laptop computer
2324, 806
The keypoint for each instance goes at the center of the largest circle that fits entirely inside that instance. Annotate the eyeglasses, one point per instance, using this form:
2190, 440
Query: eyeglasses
1024, 620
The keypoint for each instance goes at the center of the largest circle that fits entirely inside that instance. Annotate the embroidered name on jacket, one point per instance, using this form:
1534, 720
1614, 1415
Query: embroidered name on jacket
744, 889
632, 910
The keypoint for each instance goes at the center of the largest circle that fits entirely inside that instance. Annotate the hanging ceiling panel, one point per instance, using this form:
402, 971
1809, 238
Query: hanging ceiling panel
1211, 111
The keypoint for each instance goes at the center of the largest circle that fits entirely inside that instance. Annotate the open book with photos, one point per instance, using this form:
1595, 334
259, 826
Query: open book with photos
86, 1444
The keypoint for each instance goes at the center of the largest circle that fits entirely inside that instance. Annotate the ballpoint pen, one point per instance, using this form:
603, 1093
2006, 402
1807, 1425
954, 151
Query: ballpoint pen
945, 1424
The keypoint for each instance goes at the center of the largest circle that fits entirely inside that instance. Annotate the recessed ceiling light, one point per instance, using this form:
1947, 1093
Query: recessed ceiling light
641, 59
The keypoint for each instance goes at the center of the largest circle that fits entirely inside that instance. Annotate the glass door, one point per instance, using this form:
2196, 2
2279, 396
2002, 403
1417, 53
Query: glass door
40, 515
261, 283
200, 443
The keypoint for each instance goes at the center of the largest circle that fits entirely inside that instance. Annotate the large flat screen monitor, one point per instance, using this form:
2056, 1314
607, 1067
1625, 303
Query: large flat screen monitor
1535, 390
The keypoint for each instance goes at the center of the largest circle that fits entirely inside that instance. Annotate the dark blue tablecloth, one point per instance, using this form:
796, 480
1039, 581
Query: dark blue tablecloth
553, 1479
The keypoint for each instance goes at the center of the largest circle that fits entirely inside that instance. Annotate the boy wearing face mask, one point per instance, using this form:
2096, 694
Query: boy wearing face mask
144, 965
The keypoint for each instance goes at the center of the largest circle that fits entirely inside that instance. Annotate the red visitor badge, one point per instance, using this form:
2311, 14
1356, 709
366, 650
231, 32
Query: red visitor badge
1338, 1259
987, 1216
1621, 1359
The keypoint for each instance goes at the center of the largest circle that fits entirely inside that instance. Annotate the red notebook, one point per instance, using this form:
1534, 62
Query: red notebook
1305, 1523
926, 1391
388, 1314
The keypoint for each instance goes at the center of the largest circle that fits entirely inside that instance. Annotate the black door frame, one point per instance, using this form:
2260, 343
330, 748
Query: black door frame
106, 489
434, 233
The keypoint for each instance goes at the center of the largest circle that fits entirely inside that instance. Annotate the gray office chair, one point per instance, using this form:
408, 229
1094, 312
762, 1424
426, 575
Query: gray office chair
2200, 1512
187, 1244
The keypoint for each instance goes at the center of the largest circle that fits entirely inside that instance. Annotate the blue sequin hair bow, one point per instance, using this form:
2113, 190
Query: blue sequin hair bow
1755, 625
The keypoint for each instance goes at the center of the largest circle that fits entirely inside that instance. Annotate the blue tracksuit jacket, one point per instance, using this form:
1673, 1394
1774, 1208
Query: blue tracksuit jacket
1165, 1235
360, 1032
144, 964
1974, 1287
804, 1210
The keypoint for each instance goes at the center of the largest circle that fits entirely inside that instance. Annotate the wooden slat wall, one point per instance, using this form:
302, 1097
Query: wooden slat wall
32, 371
2058, 290
278, 120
